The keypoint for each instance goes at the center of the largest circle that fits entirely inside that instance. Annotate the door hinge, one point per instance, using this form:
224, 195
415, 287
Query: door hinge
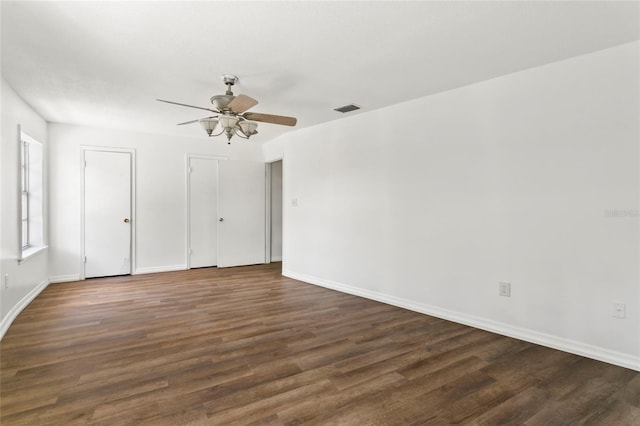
85, 164
190, 169
85, 259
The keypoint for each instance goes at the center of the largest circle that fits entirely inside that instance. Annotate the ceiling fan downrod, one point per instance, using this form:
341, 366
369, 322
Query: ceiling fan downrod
229, 80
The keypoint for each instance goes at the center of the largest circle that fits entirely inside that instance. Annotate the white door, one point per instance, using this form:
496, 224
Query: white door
241, 213
203, 212
107, 213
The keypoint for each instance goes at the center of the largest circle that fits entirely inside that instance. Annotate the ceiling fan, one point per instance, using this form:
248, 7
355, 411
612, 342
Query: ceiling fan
232, 114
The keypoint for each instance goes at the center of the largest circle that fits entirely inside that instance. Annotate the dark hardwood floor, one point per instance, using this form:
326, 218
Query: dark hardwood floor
248, 346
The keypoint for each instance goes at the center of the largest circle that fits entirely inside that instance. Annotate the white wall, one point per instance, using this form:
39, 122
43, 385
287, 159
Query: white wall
519, 179
27, 278
160, 189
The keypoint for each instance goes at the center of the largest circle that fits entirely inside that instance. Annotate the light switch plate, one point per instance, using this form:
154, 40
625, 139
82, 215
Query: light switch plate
619, 310
505, 289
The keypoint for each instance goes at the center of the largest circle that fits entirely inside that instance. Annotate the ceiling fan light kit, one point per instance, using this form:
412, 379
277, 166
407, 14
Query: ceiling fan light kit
233, 118
248, 127
208, 124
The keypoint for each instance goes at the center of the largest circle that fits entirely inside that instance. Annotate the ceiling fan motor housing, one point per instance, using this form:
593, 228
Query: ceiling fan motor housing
222, 102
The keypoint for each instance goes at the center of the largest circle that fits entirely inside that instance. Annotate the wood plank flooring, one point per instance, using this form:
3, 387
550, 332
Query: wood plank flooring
248, 346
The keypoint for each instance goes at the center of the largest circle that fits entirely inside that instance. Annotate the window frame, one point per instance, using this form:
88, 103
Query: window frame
31, 203
24, 195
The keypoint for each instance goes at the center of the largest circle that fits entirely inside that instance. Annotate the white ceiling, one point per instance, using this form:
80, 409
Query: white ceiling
103, 63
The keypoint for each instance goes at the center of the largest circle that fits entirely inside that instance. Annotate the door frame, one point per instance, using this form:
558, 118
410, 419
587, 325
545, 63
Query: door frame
187, 173
132, 183
268, 189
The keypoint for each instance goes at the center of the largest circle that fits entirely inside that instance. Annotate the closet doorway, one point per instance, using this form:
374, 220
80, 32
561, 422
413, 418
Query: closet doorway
275, 211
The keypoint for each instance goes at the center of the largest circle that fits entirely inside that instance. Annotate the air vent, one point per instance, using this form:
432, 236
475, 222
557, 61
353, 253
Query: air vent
347, 108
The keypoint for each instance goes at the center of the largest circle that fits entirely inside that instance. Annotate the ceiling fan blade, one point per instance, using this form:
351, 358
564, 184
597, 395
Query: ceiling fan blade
242, 103
268, 118
190, 106
192, 121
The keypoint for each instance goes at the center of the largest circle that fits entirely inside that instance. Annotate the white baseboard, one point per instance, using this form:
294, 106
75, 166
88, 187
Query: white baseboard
18, 307
532, 336
276, 258
154, 269
64, 278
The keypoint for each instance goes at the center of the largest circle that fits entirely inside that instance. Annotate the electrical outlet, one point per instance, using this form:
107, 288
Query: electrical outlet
505, 289
6, 280
619, 310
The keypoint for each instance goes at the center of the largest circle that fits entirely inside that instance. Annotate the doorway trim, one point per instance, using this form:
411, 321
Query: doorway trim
268, 189
187, 172
132, 183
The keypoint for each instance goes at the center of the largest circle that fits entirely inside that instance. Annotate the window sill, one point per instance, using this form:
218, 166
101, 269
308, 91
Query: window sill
30, 252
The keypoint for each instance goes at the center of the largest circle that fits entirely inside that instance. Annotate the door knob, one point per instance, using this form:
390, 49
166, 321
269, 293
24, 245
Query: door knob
126, 220
221, 219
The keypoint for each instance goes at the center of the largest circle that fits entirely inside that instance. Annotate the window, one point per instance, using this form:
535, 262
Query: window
24, 167
31, 196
